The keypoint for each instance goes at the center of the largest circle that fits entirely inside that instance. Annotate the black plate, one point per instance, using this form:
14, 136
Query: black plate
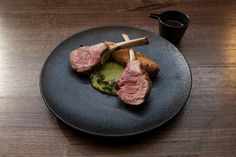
73, 100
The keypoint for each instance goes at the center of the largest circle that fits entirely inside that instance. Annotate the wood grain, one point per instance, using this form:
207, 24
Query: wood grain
30, 30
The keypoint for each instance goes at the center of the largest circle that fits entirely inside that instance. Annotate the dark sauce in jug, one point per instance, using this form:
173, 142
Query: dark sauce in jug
174, 23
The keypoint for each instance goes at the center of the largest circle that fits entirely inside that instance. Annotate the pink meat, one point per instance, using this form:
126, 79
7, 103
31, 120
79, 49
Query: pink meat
134, 85
84, 58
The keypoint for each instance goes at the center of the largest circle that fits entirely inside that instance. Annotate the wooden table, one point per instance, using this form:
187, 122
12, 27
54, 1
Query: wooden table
30, 30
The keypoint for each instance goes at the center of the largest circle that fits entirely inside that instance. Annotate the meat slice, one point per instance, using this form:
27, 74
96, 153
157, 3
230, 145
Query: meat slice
134, 85
85, 58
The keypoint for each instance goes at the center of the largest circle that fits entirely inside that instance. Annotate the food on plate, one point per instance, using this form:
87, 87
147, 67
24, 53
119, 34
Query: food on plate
134, 85
122, 57
85, 58
104, 79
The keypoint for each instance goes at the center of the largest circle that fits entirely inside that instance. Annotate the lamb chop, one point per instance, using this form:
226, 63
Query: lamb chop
85, 58
134, 85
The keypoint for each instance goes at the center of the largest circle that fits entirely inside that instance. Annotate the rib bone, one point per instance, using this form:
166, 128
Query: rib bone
131, 50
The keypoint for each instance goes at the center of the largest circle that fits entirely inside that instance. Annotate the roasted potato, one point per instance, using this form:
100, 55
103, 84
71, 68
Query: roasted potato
122, 57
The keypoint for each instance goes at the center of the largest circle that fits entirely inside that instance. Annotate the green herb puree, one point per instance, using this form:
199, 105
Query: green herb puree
104, 79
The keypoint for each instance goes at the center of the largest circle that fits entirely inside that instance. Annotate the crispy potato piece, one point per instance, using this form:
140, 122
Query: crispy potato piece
122, 57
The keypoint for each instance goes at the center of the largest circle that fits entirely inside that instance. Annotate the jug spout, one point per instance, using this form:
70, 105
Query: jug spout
155, 16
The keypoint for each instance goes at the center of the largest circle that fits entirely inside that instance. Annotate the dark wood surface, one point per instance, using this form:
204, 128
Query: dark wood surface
30, 30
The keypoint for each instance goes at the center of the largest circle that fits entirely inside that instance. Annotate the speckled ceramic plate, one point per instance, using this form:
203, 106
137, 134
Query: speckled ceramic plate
73, 100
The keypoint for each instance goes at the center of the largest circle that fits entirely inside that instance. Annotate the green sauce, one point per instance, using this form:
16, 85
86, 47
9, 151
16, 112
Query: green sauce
104, 80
